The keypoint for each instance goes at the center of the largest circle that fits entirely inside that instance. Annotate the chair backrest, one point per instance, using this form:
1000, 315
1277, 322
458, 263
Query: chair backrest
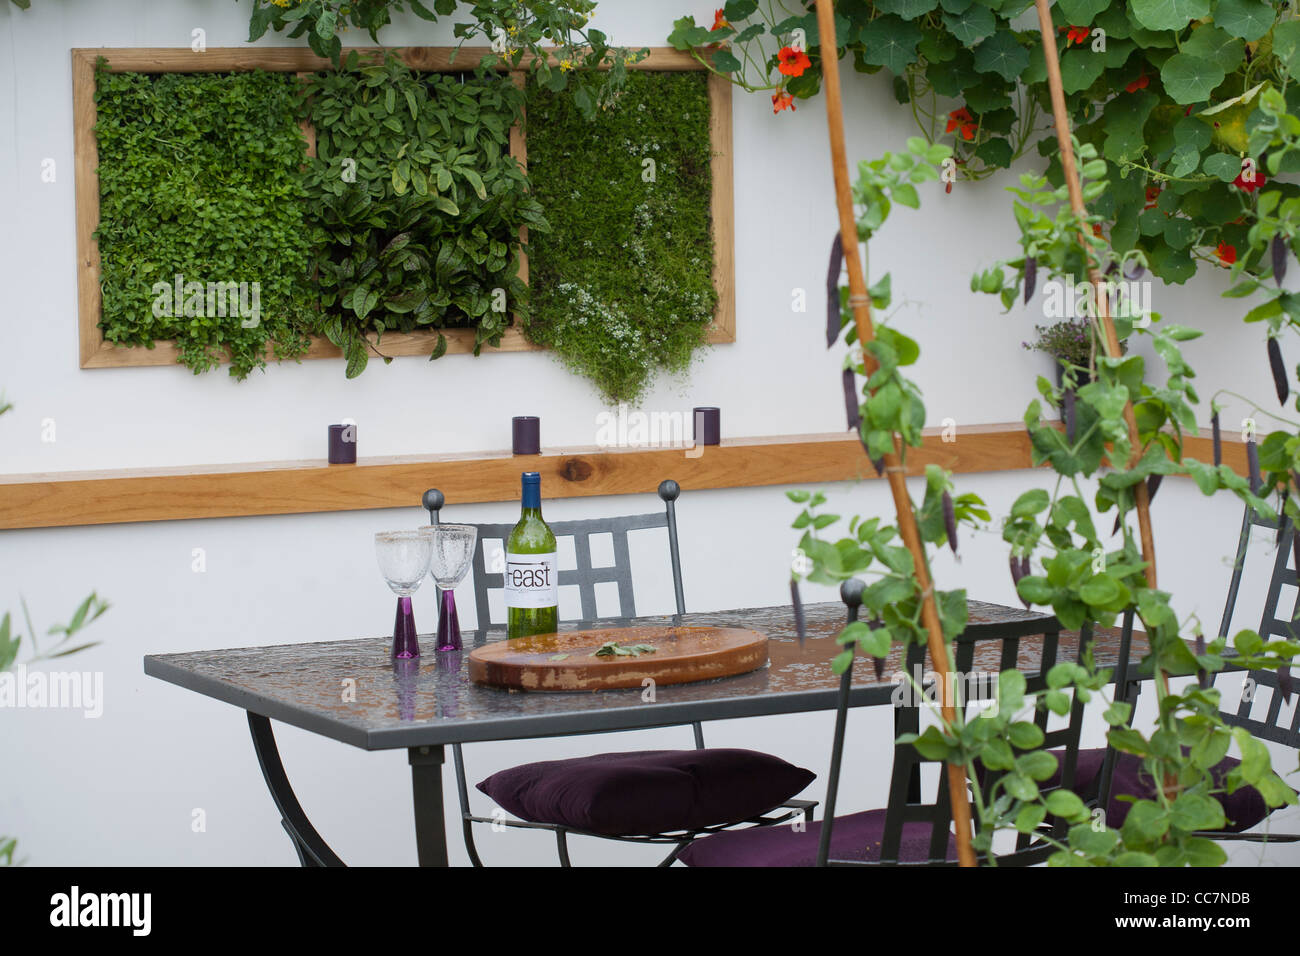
584, 576
907, 761
1269, 727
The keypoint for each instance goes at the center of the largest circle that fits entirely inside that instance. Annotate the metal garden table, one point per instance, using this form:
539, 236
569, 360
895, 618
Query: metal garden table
425, 704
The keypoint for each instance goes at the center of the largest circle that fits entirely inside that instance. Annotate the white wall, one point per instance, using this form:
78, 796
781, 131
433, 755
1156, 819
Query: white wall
121, 789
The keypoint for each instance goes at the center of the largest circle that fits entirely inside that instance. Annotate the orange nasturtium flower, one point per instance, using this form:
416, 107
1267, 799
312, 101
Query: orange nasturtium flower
1141, 83
719, 21
1226, 253
962, 120
793, 62
781, 100
1077, 35
1153, 193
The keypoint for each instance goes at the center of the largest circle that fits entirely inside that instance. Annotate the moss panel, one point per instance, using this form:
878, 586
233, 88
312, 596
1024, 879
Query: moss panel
622, 286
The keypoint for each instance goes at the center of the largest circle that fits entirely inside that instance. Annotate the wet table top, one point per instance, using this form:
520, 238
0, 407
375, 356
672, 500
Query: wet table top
354, 692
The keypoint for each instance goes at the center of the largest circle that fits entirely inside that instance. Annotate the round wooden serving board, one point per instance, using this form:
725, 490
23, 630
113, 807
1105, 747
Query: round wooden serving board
567, 661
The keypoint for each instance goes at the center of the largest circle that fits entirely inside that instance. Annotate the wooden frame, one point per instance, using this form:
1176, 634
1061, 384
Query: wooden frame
311, 487
95, 352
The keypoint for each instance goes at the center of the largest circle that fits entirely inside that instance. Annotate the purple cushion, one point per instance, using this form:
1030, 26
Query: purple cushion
855, 837
648, 791
1244, 807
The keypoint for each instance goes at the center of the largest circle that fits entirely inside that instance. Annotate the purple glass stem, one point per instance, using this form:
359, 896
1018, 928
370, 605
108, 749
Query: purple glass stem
448, 623
405, 645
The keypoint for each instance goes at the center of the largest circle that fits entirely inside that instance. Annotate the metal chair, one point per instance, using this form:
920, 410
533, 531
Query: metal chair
1270, 727
586, 577
1267, 728
907, 832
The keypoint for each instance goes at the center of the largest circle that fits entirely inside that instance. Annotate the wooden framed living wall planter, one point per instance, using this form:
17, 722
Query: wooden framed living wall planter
97, 352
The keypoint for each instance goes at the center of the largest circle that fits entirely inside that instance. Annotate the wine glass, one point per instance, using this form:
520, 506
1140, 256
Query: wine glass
453, 549
403, 561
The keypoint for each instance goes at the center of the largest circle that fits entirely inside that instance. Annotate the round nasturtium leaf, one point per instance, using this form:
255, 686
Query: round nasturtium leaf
890, 42
1168, 14
1223, 165
1190, 79
1248, 19
1002, 54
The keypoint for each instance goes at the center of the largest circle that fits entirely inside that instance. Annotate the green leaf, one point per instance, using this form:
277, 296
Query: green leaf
1146, 822
1168, 14
995, 153
1080, 68
1203, 852
725, 62
1248, 19
1217, 46
1125, 124
1081, 12
1002, 54
326, 24
1030, 503
1029, 818
972, 25
1065, 804
1025, 735
1254, 755
890, 42
1196, 811
1020, 787
907, 9
1286, 45
1011, 691
1224, 166
1037, 765
1190, 79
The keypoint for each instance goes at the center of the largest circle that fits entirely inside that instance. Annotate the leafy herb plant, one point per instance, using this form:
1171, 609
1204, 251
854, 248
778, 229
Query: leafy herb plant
416, 204
199, 177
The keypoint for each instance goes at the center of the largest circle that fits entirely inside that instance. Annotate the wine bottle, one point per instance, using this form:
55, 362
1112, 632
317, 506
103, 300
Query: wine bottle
532, 594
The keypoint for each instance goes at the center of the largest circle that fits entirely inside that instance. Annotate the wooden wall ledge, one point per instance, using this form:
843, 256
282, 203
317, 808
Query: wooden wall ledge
306, 487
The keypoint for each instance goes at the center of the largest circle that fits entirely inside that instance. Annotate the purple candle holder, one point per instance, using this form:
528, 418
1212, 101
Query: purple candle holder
405, 645
707, 425
448, 623
526, 435
343, 445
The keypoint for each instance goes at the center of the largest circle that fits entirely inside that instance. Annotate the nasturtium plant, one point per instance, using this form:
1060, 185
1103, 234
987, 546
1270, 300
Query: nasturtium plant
416, 204
622, 289
1164, 89
551, 39
202, 233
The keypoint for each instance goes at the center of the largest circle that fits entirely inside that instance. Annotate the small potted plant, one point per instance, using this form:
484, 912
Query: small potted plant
1072, 344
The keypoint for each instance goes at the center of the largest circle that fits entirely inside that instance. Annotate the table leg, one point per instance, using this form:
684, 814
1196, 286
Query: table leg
311, 848
426, 789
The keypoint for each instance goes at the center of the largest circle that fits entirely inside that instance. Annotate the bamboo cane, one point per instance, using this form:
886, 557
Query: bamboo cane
1142, 499
1111, 342
861, 303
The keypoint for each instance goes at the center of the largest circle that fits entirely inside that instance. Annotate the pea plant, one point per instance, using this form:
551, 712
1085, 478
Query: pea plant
1084, 579
1058, 558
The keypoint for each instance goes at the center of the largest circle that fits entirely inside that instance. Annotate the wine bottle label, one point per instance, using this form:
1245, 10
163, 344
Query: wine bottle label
531, 580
